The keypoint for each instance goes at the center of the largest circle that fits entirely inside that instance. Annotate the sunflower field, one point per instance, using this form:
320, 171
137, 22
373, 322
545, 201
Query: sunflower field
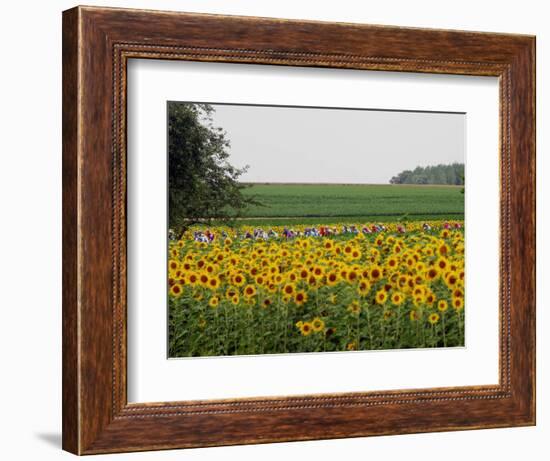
389, 288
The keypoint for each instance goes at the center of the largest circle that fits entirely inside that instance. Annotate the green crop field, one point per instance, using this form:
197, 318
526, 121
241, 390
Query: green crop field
324, 203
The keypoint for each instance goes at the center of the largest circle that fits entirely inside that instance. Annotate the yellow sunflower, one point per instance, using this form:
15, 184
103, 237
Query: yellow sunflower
249, 291
176, 290
397, 298
354, 308
458, 303
433, 318
300, 297
214, 301
306, 328
238, 279
317, 324
332, 278
289, 289
363, 288
375, 273
381, 296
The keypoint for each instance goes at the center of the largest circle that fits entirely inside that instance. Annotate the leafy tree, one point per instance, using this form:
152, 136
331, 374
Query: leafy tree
203, 185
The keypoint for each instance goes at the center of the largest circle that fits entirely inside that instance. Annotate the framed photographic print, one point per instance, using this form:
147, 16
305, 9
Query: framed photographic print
299, 239
284, 230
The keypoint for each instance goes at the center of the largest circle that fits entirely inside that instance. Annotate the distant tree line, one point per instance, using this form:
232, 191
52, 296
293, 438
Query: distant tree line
438, 174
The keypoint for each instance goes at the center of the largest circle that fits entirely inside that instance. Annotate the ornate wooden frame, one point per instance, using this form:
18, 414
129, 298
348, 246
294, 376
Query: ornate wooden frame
97, 43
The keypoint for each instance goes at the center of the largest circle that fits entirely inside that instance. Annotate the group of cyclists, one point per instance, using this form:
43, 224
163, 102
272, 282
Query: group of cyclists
208, 236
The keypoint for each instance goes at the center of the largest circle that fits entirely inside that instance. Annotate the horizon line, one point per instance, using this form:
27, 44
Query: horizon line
299, 183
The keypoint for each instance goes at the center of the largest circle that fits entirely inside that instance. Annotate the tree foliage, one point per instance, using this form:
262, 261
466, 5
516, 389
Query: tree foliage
203, 185
452, 174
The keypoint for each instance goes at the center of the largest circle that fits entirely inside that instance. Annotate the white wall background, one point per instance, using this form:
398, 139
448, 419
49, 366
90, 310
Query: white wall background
30, 229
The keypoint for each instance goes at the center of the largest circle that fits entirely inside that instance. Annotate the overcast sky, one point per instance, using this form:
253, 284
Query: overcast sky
282, 144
